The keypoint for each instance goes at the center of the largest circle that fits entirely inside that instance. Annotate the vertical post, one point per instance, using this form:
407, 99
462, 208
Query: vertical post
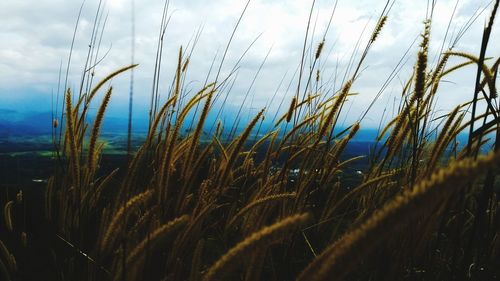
131, 92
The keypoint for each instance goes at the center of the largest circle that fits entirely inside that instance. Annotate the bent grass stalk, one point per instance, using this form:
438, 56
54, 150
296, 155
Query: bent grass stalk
257, 240
258, 202
91, 162
120, 217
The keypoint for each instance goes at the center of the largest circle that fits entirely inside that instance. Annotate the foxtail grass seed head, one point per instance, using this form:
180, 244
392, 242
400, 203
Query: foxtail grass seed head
7, 210
120, 217
320, 49
335, 108
426, 35
156, 237
258, 240
421, 67
354, 130
185, 66
291, 110
106, 79
378, 28
96, 130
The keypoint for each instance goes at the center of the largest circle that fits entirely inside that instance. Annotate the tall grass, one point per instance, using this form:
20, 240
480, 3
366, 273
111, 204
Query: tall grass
186, 209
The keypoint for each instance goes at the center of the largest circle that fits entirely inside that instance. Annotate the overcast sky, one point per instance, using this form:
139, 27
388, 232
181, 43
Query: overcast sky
35, 38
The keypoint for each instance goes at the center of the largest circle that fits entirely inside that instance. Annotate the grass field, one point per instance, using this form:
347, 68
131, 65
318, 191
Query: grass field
299, 199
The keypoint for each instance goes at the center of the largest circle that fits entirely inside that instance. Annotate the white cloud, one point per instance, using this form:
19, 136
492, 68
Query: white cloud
36, 36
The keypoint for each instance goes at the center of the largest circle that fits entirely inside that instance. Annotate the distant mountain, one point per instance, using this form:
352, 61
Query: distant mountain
14, 123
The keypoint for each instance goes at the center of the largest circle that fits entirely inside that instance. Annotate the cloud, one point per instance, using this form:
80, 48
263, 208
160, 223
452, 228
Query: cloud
36, 38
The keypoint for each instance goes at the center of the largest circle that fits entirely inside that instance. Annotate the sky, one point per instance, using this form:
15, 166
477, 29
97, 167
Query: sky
35, 40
